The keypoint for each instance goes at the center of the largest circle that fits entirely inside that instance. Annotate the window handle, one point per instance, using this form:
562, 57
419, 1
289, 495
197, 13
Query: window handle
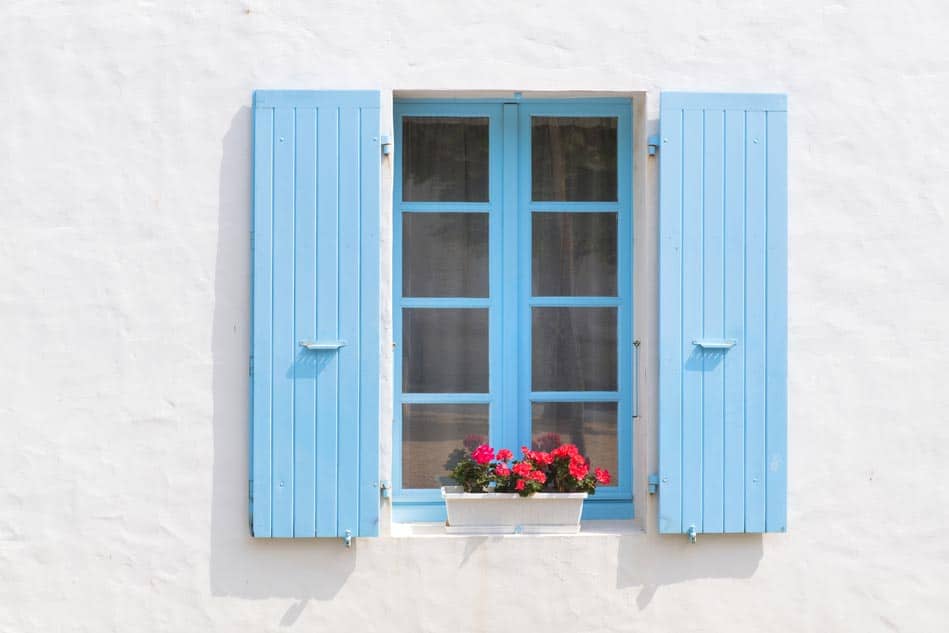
711, 343
322, 345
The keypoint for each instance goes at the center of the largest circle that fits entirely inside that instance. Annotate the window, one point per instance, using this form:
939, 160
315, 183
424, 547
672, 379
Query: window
513, 289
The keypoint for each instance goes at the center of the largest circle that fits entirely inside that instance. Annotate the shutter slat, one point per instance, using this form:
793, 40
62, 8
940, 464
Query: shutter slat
692, 273
670, 329
283, 343
777, 337
262, 327
734, 295
314, 428
755, 323
327, 319
723, 275
713, 313
348, 319
304, 298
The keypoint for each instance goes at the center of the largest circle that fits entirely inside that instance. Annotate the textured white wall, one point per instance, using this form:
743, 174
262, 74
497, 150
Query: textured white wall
124, 215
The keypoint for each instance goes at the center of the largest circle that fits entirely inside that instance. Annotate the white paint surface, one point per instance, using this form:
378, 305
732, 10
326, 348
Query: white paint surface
124, 215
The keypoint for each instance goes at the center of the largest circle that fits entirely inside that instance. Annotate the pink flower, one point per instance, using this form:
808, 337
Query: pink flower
519, 485
504, 455
522, 469
542, 458
503, 471
602, 475
566, 450
578, 466
526, 451
483, 454
539, 476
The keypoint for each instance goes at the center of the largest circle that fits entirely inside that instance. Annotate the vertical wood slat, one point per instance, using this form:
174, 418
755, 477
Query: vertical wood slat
327, 317
304, 300
261, 328
314, 429
723, 275
670, 324
347, 290
713, 325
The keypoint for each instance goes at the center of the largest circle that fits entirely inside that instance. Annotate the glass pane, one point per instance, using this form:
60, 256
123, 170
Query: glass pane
573, 158
444, 350
445, 159
574, 254
574, 349
434, 437
589, 425
445, 254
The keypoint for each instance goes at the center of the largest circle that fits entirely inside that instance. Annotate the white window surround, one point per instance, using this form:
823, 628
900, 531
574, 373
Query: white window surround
645, 292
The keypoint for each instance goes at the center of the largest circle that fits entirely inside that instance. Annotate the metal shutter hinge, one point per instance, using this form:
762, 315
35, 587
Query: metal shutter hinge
386, 144
384, 488
653, 481
652, 144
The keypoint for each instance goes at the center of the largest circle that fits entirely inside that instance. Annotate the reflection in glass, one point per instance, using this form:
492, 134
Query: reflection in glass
434, 437
445, 159
574, 254
444, 350
573, 349
445, 254
573, 158
589, 425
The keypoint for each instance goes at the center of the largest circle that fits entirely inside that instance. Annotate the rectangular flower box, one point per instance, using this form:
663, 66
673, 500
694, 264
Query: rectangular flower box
510, 513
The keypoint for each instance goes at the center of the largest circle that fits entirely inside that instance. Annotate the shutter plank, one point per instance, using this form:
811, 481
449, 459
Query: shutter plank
713, 326
369, 341
304, 300
692, 300
777, 333
755, 351
348, 319
327, 319
283, 343
670, 324
734, 365
261, 394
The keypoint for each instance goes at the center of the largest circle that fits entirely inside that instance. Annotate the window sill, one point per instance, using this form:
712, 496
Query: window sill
587, 529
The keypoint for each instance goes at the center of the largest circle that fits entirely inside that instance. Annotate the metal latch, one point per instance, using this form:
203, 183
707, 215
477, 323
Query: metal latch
386, 144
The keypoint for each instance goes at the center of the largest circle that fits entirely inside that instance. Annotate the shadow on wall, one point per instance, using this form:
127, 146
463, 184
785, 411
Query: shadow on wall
240, 565
243, 567
652, 561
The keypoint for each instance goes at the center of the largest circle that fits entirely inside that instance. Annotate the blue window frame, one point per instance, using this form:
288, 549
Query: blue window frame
555, 173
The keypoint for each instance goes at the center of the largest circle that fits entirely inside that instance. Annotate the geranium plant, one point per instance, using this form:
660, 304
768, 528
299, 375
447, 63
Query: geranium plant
562, 469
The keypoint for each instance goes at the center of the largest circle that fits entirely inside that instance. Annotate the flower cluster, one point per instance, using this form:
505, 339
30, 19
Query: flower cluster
561, 469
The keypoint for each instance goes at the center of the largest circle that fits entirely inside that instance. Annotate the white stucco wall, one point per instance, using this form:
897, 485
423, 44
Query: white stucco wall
124, 219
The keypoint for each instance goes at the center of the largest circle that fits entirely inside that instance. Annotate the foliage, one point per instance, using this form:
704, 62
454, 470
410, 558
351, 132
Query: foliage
562, 469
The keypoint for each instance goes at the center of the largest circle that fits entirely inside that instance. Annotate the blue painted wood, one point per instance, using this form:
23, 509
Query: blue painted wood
262, 323
509, 303
734, 296
723, 277
315, 278
304, 301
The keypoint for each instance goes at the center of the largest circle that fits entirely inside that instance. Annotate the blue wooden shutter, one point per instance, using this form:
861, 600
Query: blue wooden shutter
314, 412
723, 285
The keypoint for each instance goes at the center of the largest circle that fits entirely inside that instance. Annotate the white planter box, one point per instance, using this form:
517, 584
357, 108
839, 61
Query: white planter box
510, 513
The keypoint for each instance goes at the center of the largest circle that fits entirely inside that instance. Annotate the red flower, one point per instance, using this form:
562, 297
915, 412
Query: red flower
522, 469
578, 466
483, 454
519, 485
542, 458
526, 451
539, 476
504, 455
602, 475
566, 450
503, 471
